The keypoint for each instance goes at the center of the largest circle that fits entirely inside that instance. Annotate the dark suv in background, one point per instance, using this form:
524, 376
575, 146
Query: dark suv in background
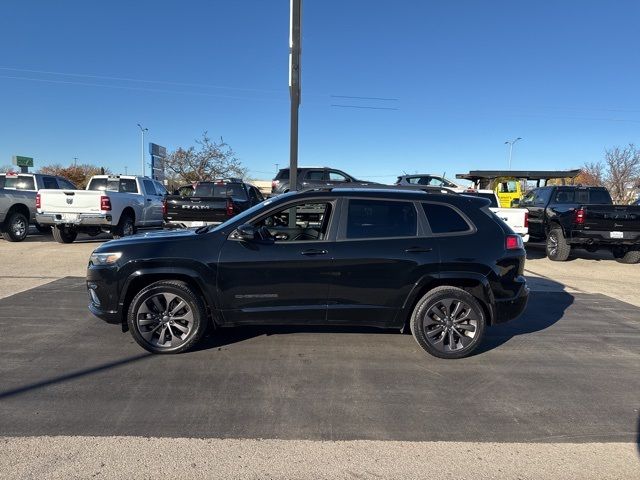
311, 177
441, 265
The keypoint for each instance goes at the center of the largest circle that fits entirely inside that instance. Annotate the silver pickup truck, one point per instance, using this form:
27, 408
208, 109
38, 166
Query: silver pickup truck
18, 202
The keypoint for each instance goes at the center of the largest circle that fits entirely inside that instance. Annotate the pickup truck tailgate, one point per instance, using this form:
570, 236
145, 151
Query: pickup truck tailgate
188, 209
619, 218
70, 201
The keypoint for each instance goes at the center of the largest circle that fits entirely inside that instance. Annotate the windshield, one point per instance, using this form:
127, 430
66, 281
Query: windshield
489, 196
233, 190
125, 185
20, 182
250, 212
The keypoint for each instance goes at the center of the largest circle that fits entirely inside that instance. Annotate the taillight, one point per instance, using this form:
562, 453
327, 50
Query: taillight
580, 216
274, 184
230, 209
526, 219
105, 203
37, 200
165, 208
513, 242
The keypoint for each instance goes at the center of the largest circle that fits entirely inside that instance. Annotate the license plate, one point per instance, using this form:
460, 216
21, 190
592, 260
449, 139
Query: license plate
616, 234
197, 224
70, 217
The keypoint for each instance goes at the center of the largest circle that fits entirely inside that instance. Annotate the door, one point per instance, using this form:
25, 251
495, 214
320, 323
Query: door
152, 210
536, 201
283, 275
382, 250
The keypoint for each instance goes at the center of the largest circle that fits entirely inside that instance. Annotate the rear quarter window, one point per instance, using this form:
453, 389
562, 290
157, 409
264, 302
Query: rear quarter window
444, 219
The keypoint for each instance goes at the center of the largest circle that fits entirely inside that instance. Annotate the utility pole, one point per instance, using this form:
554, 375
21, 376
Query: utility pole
510, 143
75, 161
294, 87
142, 130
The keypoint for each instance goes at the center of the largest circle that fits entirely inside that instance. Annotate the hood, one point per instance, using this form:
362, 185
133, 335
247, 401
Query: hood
149, 237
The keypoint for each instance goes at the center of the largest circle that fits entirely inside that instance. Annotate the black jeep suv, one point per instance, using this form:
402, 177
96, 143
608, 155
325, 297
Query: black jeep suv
442, 265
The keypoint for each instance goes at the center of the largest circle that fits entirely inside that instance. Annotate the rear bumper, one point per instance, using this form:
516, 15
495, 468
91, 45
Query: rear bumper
602, 237
511, 308
187, 224
80, 219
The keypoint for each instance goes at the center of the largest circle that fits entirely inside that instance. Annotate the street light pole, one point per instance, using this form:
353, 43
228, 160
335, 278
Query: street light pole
142, 130
510, 143
294, 88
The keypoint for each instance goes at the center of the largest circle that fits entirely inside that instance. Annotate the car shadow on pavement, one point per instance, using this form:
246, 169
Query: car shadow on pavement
537, 251
547, 304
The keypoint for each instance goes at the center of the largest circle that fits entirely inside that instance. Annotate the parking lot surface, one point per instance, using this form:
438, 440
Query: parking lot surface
554, 393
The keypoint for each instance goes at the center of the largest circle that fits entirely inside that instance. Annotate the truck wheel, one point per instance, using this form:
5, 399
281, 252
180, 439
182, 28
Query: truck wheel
628, 256
64, 234
16, 228
43, 228
167, 317
448, 322
124, 228
558, 249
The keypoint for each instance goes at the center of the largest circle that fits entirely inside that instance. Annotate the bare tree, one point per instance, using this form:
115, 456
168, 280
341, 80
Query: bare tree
592, 174
7, 168
623, 172
79, 175
205, 161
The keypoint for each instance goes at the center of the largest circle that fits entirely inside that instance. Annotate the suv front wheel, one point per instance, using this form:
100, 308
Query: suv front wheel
167, 317
448, 322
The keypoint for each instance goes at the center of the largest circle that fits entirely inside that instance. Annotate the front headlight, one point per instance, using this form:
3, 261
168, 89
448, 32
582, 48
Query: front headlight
104, 258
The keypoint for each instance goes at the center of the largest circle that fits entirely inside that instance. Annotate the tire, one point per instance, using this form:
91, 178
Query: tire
558, 249
436, 331
63, 234
126, 226
629, 256
16, 228
44, 229
155, 324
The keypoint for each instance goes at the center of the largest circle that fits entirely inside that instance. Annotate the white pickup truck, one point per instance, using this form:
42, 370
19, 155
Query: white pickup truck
116, 204
516, 218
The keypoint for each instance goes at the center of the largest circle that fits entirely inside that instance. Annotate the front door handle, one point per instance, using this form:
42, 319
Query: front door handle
418, 250
314, 251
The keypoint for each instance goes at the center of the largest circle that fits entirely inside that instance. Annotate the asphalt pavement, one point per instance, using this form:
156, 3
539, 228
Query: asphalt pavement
566, 371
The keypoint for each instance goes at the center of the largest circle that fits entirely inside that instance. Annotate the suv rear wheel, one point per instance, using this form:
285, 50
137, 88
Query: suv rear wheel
448, 322
167, 317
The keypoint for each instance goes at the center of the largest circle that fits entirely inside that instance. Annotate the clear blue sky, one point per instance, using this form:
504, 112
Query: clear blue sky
467, 75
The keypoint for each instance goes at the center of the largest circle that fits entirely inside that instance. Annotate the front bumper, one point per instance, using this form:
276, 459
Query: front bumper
102, 289
77, 219
511, 308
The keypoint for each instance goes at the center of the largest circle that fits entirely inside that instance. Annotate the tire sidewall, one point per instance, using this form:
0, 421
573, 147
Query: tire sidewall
195, 304
15, 217
434, 296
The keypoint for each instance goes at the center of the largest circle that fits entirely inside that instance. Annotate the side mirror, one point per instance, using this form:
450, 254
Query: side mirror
515, 203
246, 232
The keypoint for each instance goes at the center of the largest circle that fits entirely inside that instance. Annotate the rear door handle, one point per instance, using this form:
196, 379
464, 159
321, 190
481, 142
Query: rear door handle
314, 251
418, 250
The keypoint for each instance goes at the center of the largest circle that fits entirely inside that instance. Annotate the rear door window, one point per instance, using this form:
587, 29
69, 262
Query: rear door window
49, 183
599, 197
149, 188
315, 175
444, 219
20, 182
381, 219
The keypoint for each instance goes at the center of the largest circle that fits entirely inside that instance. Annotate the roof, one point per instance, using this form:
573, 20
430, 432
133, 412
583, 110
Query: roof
528, 174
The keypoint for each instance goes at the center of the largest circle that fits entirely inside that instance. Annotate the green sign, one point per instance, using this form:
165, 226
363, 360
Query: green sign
22, 161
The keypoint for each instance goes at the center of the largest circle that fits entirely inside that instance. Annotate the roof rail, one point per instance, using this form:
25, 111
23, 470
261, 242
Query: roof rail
404, 188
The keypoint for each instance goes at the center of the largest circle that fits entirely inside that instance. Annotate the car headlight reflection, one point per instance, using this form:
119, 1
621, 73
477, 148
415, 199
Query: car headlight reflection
109, 258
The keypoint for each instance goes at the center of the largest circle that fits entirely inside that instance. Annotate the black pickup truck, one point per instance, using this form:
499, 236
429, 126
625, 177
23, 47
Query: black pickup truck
205, 203
582, 217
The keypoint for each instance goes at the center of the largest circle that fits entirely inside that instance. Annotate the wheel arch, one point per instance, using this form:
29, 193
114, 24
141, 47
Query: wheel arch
474, 283
19, 208
128, 211
144, 277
